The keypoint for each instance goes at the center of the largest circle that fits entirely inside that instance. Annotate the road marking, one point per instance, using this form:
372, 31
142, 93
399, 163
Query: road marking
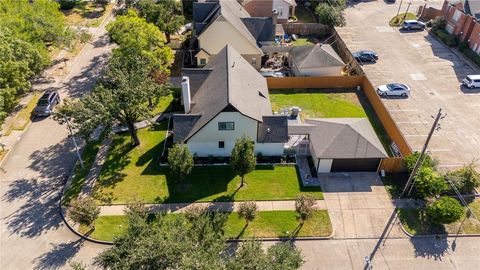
417, 76
418, 135
435, 150
384, 29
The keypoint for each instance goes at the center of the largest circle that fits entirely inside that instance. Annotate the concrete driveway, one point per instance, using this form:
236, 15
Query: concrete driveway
433, 72
359, 206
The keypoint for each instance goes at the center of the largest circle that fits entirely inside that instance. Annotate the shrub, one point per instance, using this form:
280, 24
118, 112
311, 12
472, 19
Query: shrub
469, 53
247, 211
84, 211
180, 161
447, 38
67, 4
438, 23
304, 205
428, 161
429, 183
444, 211
465, 179
330, 15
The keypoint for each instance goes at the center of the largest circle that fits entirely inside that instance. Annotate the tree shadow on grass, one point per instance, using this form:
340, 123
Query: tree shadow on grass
59, 255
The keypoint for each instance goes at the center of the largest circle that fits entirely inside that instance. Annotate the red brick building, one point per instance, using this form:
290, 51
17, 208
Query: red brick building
462, 17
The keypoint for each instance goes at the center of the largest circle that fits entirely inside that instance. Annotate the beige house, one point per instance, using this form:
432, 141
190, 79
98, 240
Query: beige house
223, 101
217, 24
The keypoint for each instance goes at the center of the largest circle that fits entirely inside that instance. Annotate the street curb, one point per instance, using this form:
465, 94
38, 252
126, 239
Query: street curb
15, 144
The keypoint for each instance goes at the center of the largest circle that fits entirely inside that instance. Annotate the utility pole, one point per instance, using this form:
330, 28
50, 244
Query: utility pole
408, 7
74, 141
400, 6
420, 159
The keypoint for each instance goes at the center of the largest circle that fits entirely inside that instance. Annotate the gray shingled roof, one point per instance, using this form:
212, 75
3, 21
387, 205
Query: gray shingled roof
253, 29
311, 56
232, 82
345, 138
472, 8
182, 124
197, 76
261, 28
273, 129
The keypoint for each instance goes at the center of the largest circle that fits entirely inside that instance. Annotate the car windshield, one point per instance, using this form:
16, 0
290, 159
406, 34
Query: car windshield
43, 102
393, 86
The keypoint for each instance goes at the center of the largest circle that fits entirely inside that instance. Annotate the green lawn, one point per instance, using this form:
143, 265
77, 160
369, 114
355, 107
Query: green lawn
416, 223
135, 173
167, 103
394, 183
398, 20
266, 224
303, 42
88, 156
320, 103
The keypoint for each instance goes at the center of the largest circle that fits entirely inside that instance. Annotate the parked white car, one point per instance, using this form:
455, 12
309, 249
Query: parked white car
471, 81
393, 89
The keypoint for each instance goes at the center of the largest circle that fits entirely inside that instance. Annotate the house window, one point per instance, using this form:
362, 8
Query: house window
254, 60
449, 29
203, 61
226, 125
221, 144
456, 15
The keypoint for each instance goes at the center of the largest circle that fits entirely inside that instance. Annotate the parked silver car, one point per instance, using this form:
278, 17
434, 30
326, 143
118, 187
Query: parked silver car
413, 25
393, 89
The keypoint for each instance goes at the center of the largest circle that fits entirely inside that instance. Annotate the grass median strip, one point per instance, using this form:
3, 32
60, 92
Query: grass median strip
267, 224
415, 222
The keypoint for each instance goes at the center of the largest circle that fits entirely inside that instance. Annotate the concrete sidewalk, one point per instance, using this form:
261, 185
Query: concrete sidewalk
114, 210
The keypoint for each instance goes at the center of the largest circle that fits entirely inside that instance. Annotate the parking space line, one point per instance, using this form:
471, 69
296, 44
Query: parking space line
404, 110
408, 122
435, 150
418, 135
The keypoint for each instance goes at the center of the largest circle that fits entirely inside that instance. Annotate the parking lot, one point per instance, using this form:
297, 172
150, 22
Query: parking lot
432, 71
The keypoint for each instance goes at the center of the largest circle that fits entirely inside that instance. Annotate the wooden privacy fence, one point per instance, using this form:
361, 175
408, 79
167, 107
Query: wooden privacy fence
391, 128
393, 164
306, 29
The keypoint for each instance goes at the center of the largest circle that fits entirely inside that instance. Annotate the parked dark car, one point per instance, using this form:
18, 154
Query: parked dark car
46, 103
365, 56
413, 25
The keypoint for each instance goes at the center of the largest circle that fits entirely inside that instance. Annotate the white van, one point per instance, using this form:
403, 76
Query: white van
472, 81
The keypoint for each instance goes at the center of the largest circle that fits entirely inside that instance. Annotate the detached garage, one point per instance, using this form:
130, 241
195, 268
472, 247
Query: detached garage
343, 144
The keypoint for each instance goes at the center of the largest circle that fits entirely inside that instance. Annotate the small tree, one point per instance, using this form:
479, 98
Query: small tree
429, 183
330, 15
444, 211
465, 179
247, 211
285, 256
84, 211
428, 161
102, 3
304, 205
242, 157
180, 161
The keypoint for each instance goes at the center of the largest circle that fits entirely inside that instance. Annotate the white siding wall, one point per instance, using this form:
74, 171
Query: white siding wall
315, 72
205, 142
325, 165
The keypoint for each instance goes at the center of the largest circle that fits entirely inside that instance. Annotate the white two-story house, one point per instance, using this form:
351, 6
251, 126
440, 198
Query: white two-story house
223, 101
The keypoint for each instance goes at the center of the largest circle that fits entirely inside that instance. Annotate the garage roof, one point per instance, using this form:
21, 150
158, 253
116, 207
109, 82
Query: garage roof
344, 138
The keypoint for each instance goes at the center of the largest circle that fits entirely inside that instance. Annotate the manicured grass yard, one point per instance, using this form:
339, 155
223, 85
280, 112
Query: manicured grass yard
267, 224
303, 42
414, 222
135, 173
320, 103
398, 20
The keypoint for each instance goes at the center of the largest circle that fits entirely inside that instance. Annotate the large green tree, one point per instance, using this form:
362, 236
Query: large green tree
165, 14
331, 15
191, 241
133, 33
122, 94
180, 161
242, 158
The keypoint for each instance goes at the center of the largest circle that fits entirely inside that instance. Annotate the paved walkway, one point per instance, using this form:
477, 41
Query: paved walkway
87, 187
114, 210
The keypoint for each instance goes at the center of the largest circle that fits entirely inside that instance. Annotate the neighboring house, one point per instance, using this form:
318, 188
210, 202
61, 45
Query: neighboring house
315, 60
224, 101
263, 8
217, 24
461, 17
341, 144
